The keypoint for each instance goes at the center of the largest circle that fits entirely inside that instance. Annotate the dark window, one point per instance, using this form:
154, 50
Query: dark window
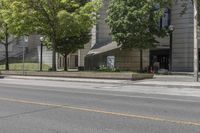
166, 19
76, 61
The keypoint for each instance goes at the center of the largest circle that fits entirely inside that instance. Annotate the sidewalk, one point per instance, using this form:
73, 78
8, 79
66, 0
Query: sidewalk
170, 81
87, 80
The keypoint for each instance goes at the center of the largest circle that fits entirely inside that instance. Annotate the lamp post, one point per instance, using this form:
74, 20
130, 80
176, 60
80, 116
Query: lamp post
41, 52
23, 47
171, 30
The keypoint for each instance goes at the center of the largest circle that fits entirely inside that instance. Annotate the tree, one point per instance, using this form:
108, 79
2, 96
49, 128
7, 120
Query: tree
79, 27
54, 19
6, 37
71, 45
135, 24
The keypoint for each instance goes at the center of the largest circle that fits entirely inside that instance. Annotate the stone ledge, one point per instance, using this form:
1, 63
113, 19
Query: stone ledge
94, 75
142, 76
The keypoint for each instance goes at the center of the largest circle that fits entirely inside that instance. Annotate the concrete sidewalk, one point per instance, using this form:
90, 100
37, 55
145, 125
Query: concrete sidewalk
159, 80
87, 80
171, 81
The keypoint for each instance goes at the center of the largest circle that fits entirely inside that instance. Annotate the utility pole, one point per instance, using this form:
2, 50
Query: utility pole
196, 53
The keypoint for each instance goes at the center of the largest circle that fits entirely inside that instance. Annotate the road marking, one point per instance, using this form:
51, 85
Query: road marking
152, 118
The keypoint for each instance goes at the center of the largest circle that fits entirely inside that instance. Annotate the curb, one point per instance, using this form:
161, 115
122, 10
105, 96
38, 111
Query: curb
124, 82
117, 81
168, 86
88, 75
71, 75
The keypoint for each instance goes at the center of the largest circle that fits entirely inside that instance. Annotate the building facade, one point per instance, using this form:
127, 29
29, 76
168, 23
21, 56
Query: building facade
182, 44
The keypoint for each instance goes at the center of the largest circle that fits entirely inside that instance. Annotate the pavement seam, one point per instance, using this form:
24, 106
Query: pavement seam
133, 116
25, 113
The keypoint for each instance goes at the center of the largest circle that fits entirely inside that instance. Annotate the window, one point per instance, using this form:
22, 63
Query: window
166, 19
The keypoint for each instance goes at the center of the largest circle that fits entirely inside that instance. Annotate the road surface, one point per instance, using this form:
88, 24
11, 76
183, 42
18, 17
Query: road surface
34, 106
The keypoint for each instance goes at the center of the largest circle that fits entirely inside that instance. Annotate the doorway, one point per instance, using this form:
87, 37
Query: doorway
160, 56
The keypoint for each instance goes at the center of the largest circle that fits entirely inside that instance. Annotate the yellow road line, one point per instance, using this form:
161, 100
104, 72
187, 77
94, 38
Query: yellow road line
152, 118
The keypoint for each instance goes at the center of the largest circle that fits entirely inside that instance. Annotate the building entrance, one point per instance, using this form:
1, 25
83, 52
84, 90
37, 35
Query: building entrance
159, 59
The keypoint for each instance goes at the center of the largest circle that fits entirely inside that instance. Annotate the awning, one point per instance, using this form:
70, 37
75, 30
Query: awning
103, 49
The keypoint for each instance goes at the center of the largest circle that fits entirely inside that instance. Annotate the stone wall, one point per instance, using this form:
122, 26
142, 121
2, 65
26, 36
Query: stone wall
102, 29
182, 48
130, 59
82, 54
16, 49
124, 59
47, 55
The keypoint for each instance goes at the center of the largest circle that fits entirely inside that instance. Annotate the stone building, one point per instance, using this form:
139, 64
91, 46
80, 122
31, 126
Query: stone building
15, 49
75, 60
182, 44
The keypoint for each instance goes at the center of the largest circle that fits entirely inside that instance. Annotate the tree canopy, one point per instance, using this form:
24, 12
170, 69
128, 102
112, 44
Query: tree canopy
135, 24
54, 19
6, 35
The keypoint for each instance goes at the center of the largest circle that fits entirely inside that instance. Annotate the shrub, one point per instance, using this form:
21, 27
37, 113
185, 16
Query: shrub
107, 69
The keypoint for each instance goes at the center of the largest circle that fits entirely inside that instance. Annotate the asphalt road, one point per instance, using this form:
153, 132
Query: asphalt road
33, 106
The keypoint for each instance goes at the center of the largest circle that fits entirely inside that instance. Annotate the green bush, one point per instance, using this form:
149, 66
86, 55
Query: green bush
103, 69
107, 69
50, 69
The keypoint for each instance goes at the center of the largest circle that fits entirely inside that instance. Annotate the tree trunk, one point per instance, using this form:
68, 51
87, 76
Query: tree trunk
6, 48
141, 60
7, 58
54, 55
65, 62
